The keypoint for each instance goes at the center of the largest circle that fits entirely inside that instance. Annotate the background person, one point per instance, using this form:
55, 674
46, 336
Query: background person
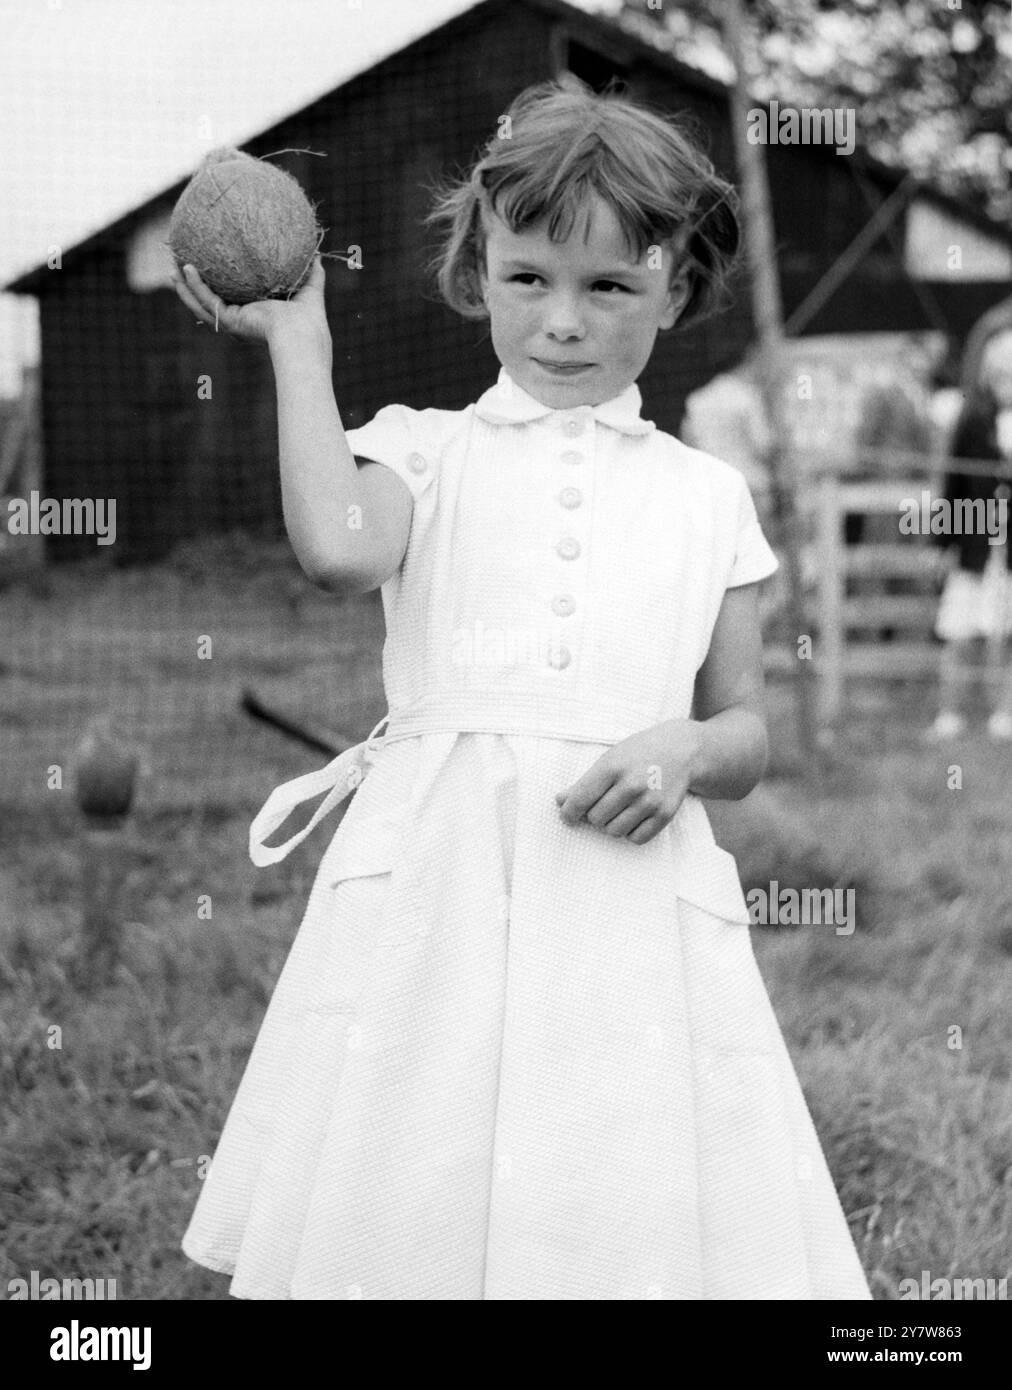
976, 600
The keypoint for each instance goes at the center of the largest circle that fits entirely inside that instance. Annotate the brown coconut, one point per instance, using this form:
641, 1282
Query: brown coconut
247, 226
105, 772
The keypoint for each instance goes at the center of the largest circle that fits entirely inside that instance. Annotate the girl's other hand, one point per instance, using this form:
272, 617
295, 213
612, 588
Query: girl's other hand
262, 320
621, 792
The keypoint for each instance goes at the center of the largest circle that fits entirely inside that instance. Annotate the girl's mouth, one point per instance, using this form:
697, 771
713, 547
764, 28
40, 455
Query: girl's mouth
564, 368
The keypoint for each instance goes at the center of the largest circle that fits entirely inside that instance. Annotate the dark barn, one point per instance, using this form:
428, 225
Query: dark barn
120, 361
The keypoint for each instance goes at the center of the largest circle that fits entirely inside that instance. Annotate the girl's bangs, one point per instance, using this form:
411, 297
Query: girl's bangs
527, 201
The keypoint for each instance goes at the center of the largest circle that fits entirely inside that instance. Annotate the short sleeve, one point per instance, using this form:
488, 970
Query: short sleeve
753, 557
398, 437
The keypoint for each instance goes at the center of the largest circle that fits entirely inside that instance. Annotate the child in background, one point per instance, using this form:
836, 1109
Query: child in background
521, 1048
977, 598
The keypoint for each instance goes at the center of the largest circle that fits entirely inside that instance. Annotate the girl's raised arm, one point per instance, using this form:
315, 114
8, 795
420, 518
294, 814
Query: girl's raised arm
348, 526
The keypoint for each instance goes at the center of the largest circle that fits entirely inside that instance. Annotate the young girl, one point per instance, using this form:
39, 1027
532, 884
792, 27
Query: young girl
521, 1048
977, 597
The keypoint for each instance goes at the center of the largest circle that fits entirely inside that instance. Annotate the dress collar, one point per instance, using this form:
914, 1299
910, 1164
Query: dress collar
506, 403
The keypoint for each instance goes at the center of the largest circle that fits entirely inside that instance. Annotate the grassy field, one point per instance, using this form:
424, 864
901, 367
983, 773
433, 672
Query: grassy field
900, 1033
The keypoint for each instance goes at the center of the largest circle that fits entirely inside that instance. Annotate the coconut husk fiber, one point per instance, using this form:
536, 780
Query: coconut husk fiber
247, 226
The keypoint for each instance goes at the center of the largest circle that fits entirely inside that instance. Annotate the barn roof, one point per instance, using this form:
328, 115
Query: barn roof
367, 49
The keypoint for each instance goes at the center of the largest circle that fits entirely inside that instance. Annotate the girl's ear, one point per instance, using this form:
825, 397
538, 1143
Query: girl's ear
678, 296
480, 264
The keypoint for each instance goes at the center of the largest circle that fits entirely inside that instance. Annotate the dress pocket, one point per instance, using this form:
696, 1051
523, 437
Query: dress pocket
371, 865
372, 834
709, 879
349, 916
369, 847
348, 910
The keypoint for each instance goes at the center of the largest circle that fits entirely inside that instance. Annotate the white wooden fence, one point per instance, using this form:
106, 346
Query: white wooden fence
871, 605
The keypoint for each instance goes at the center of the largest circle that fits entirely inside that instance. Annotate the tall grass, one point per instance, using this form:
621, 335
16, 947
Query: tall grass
900, 1033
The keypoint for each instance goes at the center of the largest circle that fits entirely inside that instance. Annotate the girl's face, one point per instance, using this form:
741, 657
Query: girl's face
584, 306
996, 369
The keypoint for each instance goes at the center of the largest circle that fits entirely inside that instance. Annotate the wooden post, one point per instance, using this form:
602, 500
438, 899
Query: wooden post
101, 859
831, 595
106, 773
996, 642
768, 314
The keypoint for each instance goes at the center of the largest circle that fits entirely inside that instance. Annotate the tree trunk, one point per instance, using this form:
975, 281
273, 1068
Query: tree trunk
768, 315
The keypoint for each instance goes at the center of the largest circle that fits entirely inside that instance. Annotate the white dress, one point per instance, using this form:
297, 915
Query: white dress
509, 1058
976, 604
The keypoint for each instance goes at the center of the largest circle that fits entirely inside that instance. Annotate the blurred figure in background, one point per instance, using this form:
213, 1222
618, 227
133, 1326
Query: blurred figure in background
946, 398
727, 418
893, 417
992, 324
977, 598
854, 412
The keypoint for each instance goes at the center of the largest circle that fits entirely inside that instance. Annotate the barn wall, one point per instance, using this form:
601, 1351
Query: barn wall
122, 418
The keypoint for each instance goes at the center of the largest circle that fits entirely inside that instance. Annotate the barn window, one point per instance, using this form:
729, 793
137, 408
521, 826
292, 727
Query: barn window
594, 68
149, 263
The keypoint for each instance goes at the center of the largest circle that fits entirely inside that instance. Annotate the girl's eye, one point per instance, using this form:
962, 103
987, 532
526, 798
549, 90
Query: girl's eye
528, 275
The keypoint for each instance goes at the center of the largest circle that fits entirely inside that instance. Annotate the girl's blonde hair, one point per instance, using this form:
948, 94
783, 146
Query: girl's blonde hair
558, 143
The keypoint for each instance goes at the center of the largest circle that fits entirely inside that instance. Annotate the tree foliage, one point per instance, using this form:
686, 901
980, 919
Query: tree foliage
930, 81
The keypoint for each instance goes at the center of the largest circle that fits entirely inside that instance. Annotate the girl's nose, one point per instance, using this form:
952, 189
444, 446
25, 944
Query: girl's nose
563, 319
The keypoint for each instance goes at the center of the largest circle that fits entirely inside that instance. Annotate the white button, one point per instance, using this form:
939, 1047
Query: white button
563, 605
571, 456
568, 548
416, 463
570, 497
559, 656
572, 426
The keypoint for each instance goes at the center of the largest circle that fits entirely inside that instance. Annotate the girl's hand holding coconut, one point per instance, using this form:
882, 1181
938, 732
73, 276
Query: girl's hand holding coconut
246, 242
264, 320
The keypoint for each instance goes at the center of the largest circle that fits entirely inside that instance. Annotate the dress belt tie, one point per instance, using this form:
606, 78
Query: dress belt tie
339, 779
345, 773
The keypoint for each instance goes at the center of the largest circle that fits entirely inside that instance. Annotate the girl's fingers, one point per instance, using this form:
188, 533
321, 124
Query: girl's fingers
211, 307
239, 321
186, 295
201, 292
313, 287
212, 304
